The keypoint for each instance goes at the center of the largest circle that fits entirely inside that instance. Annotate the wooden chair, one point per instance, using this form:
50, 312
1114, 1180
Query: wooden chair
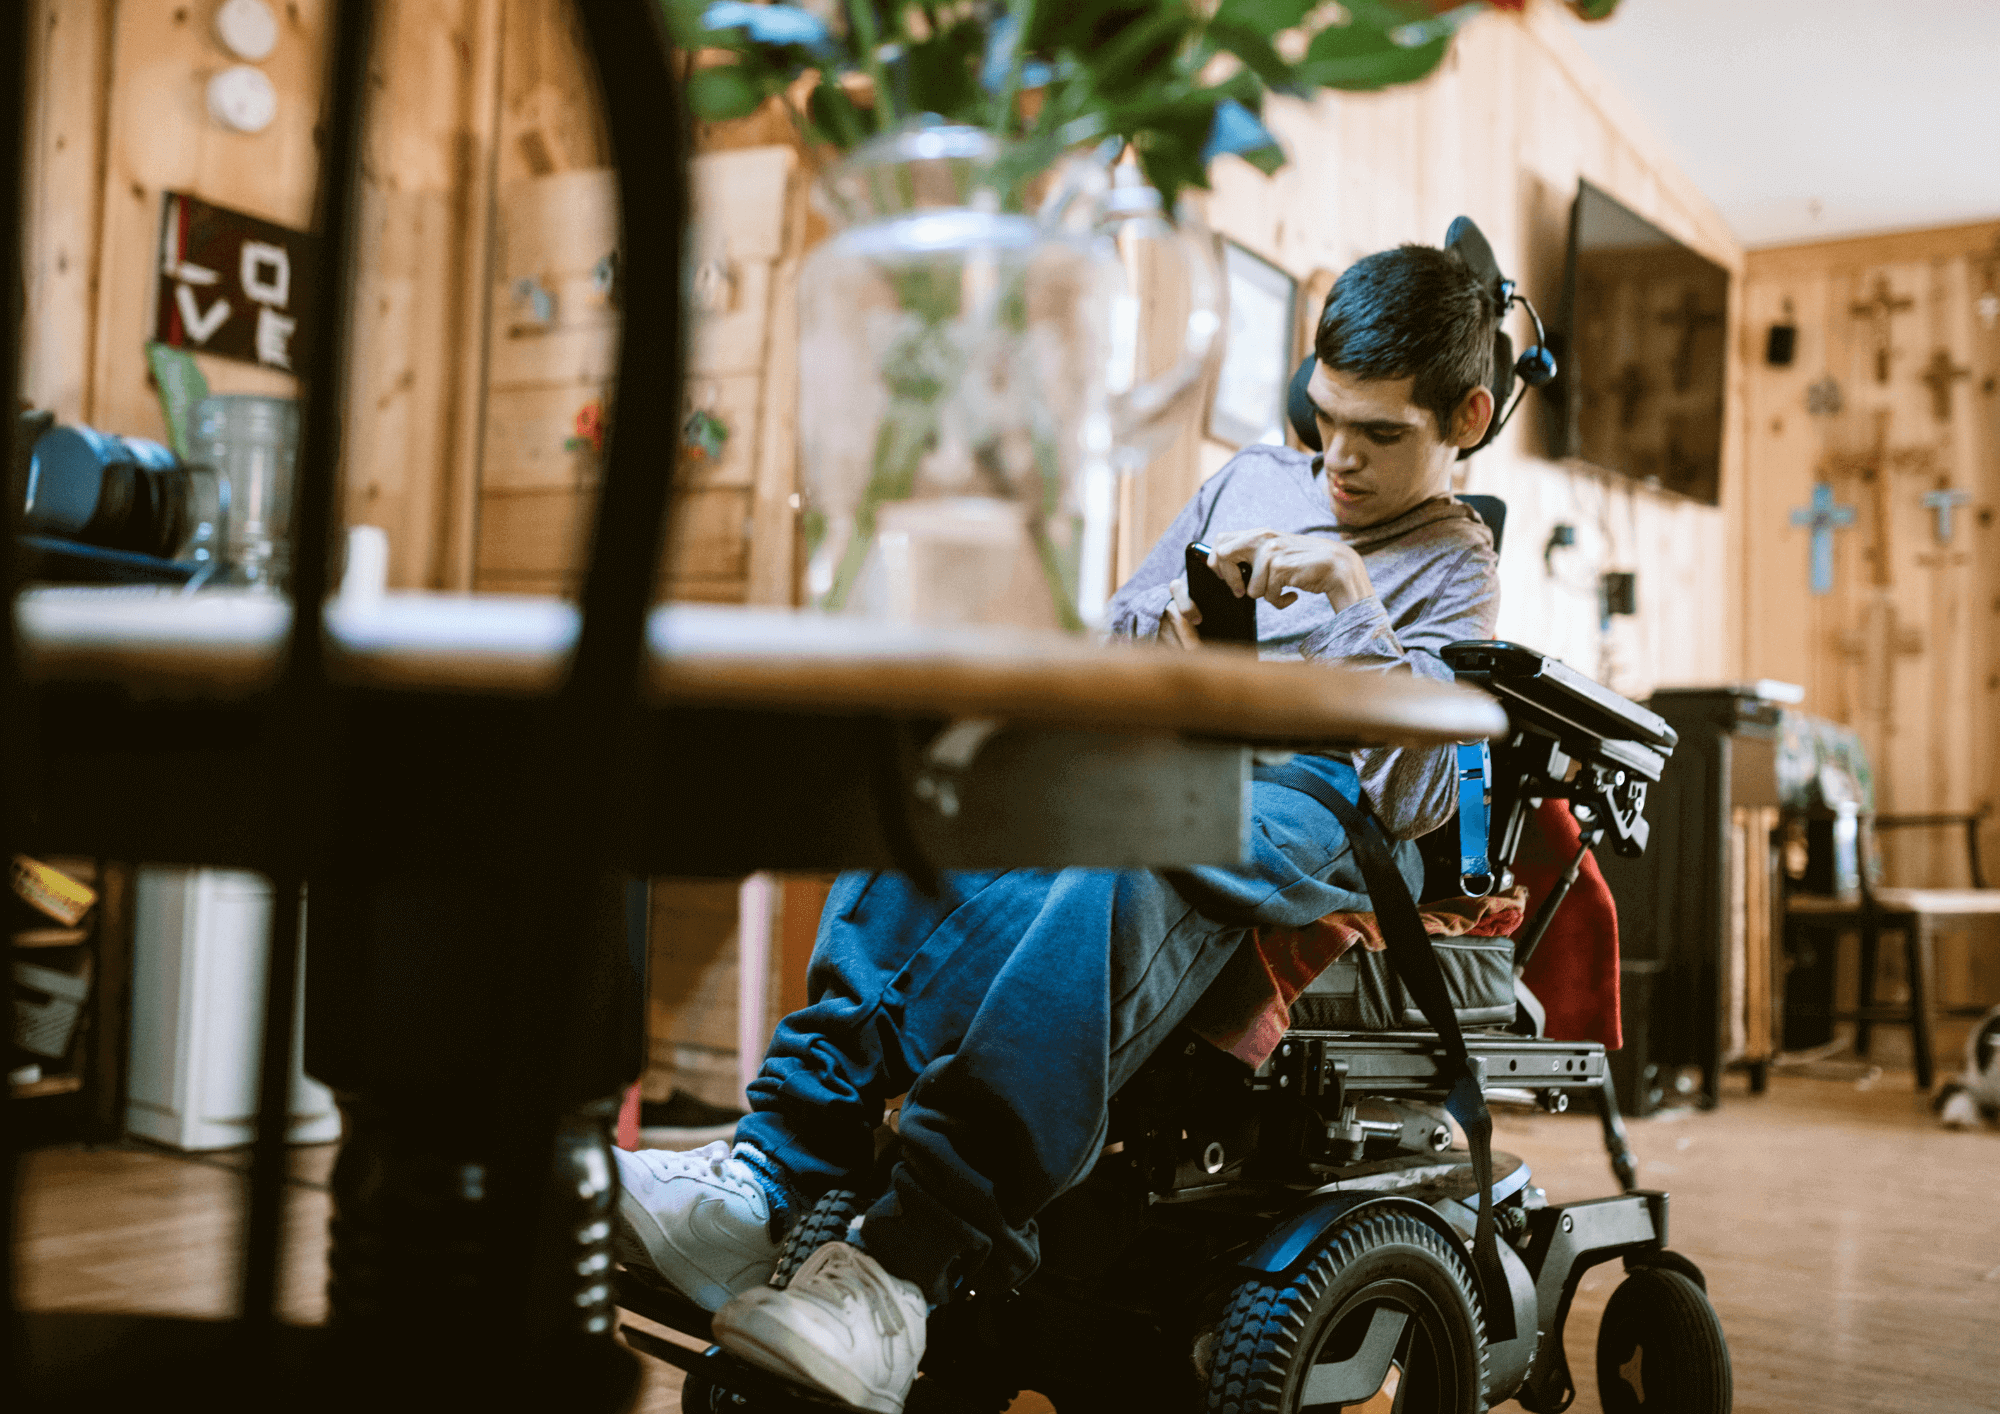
1918, 915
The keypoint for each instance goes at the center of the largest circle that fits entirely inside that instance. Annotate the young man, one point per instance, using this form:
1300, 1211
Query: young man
1012, 1009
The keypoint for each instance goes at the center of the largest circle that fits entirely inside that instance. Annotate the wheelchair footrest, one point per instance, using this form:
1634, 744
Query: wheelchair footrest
754, 1388
657, 1302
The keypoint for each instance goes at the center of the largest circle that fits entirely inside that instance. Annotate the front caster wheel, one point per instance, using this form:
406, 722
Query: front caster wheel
1383, 1312
1660, 1348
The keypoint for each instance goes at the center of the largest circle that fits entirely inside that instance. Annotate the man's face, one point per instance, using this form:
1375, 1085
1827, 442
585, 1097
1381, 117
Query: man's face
1384, 454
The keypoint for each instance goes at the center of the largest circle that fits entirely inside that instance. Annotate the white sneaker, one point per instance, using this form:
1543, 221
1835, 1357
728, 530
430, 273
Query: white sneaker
844, 1326
701, 1219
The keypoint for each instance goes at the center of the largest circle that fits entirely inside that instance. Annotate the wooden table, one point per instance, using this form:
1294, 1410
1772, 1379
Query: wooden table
1067, 752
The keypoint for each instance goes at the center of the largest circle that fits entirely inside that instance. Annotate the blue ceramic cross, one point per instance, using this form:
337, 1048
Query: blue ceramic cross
1824, 517
1943, 501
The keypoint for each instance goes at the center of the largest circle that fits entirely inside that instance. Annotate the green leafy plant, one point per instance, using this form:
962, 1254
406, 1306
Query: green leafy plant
1183, 81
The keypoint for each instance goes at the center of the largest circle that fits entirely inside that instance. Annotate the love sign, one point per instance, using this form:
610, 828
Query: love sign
230, 284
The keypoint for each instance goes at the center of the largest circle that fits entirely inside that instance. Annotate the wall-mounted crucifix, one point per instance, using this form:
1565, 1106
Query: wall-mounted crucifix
1878, 309
1943, 502
1690, 319
1874, 465
1824, 517
1875, 646
1940, 373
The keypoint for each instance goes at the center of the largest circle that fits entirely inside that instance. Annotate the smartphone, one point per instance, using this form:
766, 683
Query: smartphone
1225, 618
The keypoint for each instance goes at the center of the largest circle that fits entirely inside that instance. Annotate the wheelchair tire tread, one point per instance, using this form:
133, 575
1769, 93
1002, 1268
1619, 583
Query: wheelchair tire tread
826, 1221
1692, 1371
1264, 1324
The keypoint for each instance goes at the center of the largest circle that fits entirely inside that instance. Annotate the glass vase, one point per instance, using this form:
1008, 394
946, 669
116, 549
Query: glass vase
954, 415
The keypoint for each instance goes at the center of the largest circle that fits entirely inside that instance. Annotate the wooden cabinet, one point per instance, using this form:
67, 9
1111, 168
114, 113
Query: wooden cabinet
1697, 914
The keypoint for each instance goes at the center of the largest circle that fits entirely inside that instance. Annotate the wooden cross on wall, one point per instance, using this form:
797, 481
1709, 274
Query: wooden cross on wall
1874, 466
1941, 373
1879, 309
1881, 639
1691, 319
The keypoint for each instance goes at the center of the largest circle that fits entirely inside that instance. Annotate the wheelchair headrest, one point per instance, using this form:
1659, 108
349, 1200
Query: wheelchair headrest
1535, 367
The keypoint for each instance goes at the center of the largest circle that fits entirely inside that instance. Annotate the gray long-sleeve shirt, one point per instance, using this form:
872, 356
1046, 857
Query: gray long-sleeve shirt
1436, 581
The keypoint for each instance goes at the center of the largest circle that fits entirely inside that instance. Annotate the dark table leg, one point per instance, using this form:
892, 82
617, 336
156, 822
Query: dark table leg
478, 1032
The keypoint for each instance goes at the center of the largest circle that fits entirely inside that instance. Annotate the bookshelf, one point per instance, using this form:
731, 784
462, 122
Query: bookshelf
80, 1093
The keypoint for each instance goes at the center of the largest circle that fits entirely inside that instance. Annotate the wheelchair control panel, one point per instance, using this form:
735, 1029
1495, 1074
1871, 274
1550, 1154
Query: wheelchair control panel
1570, 738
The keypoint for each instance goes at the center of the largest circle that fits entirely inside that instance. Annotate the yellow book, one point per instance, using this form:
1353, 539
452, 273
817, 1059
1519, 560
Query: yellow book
52, 891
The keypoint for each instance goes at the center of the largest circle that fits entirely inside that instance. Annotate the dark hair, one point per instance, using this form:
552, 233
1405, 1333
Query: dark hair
1412, 311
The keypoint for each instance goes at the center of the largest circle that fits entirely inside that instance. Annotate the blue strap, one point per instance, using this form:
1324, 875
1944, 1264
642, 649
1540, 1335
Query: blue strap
1475, 794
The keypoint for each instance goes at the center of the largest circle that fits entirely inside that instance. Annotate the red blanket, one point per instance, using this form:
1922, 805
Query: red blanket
1574, 972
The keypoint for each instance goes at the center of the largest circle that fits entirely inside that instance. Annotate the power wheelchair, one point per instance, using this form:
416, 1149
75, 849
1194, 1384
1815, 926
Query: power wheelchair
1305, 1237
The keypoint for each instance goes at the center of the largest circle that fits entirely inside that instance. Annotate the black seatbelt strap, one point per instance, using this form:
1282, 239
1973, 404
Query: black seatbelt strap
1416, 967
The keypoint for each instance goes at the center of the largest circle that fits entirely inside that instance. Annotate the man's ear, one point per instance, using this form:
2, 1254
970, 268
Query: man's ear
1472, 416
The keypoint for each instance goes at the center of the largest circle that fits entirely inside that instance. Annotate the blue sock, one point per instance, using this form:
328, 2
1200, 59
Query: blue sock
777, 1187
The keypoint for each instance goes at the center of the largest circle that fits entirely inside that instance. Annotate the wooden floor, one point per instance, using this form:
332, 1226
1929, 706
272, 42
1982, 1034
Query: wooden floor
1851, 1245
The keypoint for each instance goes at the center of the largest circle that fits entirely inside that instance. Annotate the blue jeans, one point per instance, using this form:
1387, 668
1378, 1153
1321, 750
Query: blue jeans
1010, 1011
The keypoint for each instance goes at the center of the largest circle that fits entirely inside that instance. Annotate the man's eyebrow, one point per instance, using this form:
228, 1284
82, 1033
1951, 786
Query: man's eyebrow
1373, 424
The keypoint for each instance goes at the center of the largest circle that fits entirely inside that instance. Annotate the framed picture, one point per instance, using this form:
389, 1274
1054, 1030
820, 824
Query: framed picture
1249, 401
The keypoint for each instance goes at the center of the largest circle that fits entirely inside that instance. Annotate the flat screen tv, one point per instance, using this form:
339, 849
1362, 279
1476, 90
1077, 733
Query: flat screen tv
1640, 346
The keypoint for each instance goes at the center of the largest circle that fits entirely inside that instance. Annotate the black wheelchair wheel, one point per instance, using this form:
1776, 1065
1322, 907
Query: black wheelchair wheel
1383, 1316
825, 1221
698, 1396
1660, 1348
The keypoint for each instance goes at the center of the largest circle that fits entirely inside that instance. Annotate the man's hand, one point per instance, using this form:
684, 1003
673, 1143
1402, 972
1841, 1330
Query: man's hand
1282, 567
1177, 624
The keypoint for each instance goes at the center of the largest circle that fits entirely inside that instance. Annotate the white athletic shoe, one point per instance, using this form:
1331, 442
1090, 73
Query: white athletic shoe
844, 1326
701, 1219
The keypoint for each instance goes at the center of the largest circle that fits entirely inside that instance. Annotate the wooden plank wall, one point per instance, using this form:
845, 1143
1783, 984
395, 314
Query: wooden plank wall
1906, 647
1502, 132
554, 341
118, 117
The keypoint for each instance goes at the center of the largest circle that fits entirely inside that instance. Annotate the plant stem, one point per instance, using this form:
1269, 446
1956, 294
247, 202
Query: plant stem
806, 143
1003, 117
861, 15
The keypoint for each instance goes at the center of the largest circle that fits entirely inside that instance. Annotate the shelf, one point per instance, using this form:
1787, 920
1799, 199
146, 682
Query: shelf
49, 1085
50, 937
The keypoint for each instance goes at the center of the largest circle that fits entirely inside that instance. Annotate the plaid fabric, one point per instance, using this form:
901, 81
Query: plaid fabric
1247, 1010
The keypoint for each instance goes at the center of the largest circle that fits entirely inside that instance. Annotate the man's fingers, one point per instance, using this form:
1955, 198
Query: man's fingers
1179, 598
1230, 550
1223, 562
1260, 570
1274, 574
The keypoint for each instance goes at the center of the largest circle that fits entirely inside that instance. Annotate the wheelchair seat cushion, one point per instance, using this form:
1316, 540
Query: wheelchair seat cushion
1282, 976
